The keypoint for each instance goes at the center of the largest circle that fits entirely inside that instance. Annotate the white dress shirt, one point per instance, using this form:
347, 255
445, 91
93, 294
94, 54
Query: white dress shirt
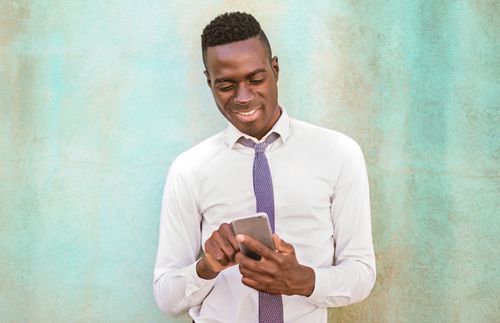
322, 208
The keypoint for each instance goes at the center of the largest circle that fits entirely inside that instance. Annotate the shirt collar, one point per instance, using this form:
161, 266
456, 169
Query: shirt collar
281, 127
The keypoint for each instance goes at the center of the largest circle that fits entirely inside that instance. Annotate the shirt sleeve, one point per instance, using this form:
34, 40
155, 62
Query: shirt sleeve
176, 284
352, 276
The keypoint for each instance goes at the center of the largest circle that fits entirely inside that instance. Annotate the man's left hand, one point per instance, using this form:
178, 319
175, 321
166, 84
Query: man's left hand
278, 271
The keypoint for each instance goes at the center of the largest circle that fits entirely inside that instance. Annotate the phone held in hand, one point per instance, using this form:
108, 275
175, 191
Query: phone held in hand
256, 226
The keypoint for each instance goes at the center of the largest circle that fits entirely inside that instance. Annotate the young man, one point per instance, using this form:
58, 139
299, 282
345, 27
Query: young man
311, 181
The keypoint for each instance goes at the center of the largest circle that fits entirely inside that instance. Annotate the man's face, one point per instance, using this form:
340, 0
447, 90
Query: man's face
244, 85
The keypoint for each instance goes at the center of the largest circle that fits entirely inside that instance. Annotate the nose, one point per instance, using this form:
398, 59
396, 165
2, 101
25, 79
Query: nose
243, 95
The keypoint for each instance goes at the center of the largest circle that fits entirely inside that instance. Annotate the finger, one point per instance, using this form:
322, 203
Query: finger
282, 246
246, 272
251, 283
227, 231
239, 257
212, 263
249, 263
255, 245
263, 276
224, 245
213, 251
261, 267
255, 284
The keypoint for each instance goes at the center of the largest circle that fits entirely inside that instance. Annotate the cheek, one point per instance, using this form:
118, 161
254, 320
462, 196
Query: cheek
222, 100
272, 94
217, 98
269, 92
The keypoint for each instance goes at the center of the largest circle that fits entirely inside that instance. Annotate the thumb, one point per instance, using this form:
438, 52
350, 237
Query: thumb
282, 246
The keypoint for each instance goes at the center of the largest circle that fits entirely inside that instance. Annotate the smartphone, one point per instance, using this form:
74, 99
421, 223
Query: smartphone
256, 226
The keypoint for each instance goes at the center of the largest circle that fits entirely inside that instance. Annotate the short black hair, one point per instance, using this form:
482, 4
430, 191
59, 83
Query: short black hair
231, 27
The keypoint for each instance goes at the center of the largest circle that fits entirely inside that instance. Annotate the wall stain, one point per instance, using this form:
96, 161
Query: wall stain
13, 16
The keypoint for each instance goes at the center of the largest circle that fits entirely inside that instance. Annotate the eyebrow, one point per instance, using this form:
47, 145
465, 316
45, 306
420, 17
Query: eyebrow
225, 79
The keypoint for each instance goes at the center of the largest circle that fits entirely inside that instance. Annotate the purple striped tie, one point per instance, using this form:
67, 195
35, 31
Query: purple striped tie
270, 306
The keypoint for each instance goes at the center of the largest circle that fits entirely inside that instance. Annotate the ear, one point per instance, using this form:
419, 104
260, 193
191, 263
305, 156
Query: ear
276, 67
209, 81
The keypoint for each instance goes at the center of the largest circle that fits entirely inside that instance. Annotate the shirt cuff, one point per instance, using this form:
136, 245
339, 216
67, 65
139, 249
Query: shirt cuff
196, 283
332, 287
322, 285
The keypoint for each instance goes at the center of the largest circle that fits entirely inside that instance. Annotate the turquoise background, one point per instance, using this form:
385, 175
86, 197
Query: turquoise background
98, 97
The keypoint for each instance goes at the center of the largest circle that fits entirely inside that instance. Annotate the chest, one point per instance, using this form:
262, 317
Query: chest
303, 185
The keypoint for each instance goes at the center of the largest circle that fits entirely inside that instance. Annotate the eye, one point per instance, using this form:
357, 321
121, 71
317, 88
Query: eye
257, 81
226, 88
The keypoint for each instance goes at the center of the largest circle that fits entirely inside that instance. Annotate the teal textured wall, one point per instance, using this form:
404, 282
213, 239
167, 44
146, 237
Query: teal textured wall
98, 97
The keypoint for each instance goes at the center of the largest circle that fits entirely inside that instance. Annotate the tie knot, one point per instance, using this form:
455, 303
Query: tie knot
260, 147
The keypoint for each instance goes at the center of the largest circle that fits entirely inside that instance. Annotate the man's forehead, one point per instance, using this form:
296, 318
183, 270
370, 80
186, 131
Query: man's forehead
243, 49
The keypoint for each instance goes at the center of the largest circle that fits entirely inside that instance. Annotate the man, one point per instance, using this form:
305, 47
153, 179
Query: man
315, 177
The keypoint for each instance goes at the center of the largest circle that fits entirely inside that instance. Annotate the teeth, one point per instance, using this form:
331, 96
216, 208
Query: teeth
247, 113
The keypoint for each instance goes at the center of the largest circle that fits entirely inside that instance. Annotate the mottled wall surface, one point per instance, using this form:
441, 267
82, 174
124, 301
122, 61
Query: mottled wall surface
98, 97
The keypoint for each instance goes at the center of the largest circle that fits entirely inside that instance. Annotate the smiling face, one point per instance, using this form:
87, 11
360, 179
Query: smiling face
244, 84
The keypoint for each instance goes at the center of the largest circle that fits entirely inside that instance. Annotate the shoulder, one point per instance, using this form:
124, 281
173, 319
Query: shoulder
198, 156
327, 139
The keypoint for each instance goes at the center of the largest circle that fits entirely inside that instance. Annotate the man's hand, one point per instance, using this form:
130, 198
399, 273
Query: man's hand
278, 271
220, 250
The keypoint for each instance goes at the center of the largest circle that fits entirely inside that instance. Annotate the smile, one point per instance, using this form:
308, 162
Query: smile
249, 113
248, 116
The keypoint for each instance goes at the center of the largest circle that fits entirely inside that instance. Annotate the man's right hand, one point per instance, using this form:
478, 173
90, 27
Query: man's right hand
220, 250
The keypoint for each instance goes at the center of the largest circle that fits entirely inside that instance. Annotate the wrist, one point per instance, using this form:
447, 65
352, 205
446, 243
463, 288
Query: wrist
308, 281
204, 271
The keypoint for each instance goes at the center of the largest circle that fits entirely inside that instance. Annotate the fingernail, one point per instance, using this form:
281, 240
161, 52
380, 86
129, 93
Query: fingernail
240, 238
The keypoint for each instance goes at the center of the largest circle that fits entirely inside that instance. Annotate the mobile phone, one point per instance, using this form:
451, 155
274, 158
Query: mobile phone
256, 226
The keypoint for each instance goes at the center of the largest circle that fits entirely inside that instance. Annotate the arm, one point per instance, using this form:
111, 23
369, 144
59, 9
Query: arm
181, 282
177, 286
352, 276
